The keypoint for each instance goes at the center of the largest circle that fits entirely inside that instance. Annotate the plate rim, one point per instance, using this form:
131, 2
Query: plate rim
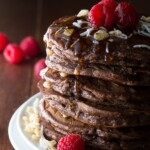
10, 127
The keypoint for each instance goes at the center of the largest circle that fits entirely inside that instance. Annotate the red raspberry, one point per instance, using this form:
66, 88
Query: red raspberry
13, 54
110, 3
102, 15
38, 67
126, 16
3, 41
30, 47
71, 142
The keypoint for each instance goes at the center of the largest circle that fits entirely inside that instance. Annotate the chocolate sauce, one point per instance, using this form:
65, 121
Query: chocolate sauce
77, 88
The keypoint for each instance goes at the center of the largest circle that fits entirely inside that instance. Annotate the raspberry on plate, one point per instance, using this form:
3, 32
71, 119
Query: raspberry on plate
30, 47
13, 54
38, 67
3, 41
102, 15
71, 142
126, 16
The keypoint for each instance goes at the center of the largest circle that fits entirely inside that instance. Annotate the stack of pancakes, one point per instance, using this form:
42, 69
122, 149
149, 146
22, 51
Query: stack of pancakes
99, 89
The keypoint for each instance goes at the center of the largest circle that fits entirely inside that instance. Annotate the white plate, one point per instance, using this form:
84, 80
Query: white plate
17, 136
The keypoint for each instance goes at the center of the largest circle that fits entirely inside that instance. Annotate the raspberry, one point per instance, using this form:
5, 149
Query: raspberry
102, 15
38, 67
126, 16
30, 47
110, 3
3, 41
13, 54
71, 142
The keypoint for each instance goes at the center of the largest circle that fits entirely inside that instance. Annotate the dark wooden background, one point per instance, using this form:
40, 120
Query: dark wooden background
20, 18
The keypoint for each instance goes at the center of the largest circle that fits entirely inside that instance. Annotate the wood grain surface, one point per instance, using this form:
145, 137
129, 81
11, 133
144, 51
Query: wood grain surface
18, 19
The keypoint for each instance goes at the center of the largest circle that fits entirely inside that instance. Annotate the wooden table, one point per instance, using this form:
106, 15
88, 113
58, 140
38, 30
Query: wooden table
19, 19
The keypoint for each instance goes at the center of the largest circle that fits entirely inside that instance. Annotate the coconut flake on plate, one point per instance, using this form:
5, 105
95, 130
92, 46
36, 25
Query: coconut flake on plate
34, 130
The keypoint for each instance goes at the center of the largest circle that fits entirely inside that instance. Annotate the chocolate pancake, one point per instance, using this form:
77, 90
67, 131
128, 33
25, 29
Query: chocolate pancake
122, 75
98, 91
98, 143
81, 43
101, 116
97, 115
65, 124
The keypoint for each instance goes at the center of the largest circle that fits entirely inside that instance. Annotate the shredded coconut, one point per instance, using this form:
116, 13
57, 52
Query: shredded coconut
87, 32
79, 23
141, 46
95, 42
107, 49
144, 28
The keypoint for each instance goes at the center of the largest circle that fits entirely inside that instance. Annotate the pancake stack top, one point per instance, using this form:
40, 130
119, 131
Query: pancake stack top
97, 84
